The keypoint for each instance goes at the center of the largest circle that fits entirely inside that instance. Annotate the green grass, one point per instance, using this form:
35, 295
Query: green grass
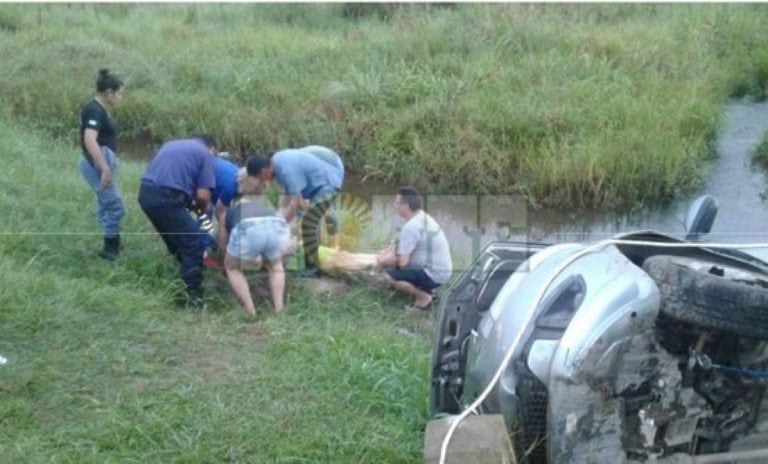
605, 105
571, 105
104, 367
760, 154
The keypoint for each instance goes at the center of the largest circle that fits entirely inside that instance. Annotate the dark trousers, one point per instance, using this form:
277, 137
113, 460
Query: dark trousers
310, 229
167, 210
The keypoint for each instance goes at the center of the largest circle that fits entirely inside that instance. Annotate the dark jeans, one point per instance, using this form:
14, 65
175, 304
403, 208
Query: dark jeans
414, 276
310, 226
167, 210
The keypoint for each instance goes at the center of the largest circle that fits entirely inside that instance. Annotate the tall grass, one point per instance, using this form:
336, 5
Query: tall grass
572, 105
104, 367
760, 154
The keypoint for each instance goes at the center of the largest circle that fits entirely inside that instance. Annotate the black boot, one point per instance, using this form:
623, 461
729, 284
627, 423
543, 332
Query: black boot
111, 248
195, 302
310, 270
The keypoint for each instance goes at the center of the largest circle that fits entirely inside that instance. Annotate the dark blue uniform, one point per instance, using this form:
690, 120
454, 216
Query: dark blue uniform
167, 191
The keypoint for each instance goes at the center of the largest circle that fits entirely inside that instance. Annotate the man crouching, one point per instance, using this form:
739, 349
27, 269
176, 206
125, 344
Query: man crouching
420, 261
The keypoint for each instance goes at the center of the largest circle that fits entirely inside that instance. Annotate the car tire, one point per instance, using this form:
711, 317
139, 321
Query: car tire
722, 297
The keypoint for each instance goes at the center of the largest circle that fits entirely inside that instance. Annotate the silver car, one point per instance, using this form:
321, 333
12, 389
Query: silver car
644, 349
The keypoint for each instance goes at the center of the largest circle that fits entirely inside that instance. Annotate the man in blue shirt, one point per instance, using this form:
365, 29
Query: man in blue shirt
223, 193
313, 173
179, 177
226, 184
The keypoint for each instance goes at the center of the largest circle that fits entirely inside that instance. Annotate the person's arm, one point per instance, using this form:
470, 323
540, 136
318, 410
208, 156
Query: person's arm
92, 146
406, 243
223, 235
292, 204
205, 182
386, 257
202, 198
221, 217
219, 212
293, 182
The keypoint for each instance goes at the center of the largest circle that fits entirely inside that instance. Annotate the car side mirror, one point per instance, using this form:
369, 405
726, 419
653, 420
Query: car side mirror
700, 217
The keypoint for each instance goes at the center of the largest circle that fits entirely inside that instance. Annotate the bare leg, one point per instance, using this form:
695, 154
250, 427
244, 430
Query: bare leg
239, 284
422, 298
277, 283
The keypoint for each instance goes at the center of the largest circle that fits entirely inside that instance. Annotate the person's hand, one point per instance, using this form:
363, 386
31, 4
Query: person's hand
384, 258
378, 266
106, 178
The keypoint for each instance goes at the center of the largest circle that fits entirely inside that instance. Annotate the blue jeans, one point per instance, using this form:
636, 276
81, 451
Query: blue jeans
109, 203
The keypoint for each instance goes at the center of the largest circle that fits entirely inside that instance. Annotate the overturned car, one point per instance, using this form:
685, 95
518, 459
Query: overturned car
645, 348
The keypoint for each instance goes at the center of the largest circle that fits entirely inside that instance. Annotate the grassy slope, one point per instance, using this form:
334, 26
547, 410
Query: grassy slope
575, 105
104, 368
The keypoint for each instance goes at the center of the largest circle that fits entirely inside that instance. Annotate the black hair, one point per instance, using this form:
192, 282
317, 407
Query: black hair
207, 139
108, 81
255, 164
411, 197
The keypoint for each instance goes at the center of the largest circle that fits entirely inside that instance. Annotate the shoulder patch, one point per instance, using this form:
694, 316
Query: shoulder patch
92, 122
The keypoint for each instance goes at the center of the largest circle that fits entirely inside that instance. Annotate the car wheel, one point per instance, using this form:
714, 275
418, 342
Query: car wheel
715, 296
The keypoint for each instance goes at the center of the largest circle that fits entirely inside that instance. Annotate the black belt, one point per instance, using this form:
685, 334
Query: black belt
168, 192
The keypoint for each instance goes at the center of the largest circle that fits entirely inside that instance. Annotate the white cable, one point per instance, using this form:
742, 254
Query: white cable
472, 408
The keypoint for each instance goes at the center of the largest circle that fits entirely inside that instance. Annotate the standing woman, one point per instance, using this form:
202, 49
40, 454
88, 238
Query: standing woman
98, 139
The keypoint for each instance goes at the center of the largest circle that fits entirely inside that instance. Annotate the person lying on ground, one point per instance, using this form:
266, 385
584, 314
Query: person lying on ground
334, 261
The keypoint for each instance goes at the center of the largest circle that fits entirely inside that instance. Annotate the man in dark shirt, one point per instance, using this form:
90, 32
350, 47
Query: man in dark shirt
180, 177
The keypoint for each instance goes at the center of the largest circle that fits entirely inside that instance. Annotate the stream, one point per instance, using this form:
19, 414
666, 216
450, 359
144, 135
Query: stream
471, 221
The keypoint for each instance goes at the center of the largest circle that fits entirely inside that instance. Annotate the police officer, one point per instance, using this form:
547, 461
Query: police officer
181, 176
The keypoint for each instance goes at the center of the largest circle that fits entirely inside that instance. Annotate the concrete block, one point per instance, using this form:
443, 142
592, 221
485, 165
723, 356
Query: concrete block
477, 440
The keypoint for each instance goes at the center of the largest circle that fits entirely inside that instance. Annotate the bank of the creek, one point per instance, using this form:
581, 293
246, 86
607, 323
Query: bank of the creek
739, 187
471, 221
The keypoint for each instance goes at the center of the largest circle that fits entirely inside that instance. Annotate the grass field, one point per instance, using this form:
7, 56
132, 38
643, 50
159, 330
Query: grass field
104, 367
575, 106
608, 106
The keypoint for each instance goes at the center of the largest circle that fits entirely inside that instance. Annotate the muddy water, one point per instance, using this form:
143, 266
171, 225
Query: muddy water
471, 221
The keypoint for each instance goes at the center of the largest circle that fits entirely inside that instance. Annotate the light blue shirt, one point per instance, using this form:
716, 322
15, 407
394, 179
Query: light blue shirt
300, 172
